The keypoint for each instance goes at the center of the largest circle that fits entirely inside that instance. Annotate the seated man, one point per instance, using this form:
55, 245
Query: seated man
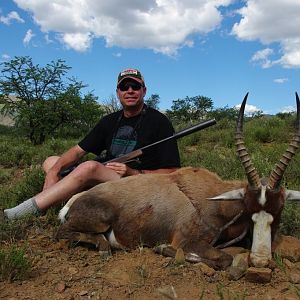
119, 133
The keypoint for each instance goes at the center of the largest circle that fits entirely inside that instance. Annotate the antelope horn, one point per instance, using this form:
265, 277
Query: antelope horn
278, 171
253, 178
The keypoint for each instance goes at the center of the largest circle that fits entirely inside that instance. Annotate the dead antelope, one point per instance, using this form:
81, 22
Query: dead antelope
185, 209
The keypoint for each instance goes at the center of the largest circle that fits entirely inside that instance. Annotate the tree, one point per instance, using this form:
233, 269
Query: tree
200, 106
112, 104
190, 109
39, 98
224, 113
153, 101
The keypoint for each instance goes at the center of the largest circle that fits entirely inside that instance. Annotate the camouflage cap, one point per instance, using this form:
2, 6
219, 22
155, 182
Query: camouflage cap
132, 74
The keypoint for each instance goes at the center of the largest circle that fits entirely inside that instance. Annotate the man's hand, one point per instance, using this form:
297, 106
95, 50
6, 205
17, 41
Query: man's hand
122, 169
51, 179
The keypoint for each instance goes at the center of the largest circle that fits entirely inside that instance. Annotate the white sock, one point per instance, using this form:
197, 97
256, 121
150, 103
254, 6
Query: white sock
25, 208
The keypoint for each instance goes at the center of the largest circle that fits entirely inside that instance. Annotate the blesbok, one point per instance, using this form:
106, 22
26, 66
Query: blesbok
185, 209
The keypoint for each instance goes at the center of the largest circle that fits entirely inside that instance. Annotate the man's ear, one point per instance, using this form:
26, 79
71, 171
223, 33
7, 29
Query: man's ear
145, 91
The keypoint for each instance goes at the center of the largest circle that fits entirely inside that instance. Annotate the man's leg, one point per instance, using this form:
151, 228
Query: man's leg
29, 206
49, 163
84, 176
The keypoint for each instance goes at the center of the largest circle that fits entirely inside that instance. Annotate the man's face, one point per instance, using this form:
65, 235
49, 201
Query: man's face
131, 93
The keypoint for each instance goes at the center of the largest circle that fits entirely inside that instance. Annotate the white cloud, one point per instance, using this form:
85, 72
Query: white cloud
5, 57
161, 25
281, 80
77, 41
249, 109
13, 15
119, 54
28, 37
272, 21
47, 39
262, 57
287, 109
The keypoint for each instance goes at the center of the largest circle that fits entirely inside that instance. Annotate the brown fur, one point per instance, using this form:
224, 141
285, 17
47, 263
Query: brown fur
160, 208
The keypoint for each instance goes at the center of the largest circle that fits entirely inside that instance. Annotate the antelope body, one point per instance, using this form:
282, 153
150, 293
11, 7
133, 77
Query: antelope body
185, 209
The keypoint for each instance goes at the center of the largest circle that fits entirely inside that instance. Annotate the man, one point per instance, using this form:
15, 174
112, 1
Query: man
135, 126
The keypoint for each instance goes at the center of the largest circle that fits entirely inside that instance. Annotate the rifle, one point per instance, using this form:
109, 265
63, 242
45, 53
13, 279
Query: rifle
126, 158
133, 154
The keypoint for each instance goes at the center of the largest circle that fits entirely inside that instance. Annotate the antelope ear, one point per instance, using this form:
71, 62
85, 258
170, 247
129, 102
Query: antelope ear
231, 195
292, 196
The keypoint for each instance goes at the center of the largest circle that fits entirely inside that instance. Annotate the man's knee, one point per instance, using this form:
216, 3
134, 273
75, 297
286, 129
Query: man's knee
88, 169
49, 162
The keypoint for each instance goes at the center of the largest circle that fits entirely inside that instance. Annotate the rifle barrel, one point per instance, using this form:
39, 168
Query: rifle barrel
184, 132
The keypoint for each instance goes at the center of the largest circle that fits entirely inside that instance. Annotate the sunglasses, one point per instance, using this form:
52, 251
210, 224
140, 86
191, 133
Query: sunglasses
125, 86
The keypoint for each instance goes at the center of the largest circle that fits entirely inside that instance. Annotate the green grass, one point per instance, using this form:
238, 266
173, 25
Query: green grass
14, 264
266, 139
21, 186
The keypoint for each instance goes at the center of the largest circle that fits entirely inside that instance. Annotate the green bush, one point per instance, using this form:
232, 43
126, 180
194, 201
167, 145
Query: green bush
290, 220
14, 265
28, 185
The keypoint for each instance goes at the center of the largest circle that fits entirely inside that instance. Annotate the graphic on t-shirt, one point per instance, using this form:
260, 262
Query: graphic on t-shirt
124, 141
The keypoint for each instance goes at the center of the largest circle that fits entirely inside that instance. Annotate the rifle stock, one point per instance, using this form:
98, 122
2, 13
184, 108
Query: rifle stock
131, 155
126, 157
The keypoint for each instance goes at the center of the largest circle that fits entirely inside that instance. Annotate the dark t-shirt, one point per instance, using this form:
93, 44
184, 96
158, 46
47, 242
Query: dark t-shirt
118, 135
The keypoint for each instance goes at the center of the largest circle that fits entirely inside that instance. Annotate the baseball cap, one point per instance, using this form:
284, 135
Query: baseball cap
132, 74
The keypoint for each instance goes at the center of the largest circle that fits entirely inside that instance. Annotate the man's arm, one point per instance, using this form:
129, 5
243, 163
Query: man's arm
69, 158
123, 170
158, 171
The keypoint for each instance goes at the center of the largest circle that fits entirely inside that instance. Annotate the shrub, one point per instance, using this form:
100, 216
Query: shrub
28, 185
14, 264
290, 220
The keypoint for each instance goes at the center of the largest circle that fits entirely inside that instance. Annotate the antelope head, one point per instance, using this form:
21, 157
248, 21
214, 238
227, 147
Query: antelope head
263, 198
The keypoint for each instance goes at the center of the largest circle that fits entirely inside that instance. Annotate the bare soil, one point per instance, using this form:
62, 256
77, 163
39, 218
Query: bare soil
63, 272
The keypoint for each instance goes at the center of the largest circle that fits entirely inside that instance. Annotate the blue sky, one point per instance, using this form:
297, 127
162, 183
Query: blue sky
220, 49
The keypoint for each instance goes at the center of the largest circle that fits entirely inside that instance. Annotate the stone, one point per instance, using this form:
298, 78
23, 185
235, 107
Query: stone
60, 287
287, 247
83, 293
287, 263
258, 275
205, 269
167, 292
235, 273
294, 276
241, 261
297, 265
179, 256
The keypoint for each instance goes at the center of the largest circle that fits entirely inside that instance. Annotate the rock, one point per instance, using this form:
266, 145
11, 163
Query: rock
239, 266
287, 263
297, 265
258, 275
241, 261
291, 297
60, 287
294, 276
83, 293
73, 270
168, 292
179, 256
287, 247
235, 273
205, 269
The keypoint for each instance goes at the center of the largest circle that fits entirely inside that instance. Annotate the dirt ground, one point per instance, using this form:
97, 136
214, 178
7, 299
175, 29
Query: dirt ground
63, 272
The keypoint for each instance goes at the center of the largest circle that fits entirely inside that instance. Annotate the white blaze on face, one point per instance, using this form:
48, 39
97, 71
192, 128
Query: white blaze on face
262, 199
261, 244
